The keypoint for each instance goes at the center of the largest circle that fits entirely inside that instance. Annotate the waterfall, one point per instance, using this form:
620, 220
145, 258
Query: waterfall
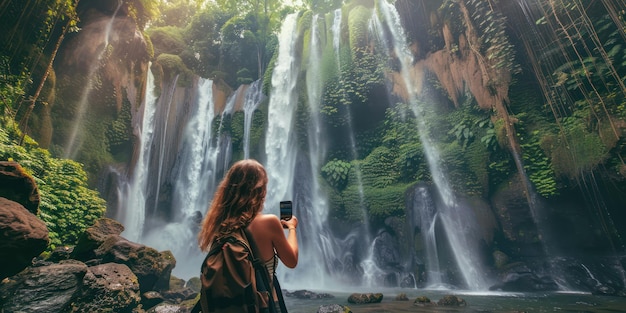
134, 193
458, 221
191, 195
425, 216
279, 142
73, 145
254, 96
137, 199
320, 245
336, 29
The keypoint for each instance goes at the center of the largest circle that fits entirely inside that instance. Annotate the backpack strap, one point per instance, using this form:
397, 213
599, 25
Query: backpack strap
265, 276
279, 293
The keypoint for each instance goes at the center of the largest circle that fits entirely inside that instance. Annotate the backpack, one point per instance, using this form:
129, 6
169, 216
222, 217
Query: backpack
233, 280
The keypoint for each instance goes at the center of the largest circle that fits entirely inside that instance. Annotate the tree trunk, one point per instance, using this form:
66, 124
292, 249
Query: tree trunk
24, 121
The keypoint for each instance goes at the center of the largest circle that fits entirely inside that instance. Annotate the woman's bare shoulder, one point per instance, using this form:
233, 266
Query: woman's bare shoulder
269, 218
266, 219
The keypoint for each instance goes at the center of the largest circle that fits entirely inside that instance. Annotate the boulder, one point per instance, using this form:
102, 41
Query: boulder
43, 289
168, 308
423, 301
94, 236
150, 299
333, 308
177, 283
179, 295
306, 294
365, 298
194, 284
451, 300
60, 253
23, 236
108, 287
402, 297
153, 268
18, 186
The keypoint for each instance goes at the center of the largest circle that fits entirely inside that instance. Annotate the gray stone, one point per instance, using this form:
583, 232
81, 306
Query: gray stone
43, 289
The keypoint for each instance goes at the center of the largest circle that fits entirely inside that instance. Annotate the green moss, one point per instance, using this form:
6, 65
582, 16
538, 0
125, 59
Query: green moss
172, 65
119, 132
379, 168
478, 160
378, 203
358, 21
267, 76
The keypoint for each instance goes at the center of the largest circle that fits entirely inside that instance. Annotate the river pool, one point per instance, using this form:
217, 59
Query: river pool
476, 302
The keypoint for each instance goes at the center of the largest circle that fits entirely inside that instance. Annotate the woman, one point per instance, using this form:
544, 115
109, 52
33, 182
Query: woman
236, 205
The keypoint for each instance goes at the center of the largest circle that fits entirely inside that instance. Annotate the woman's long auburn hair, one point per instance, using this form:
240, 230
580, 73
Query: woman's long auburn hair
237, 201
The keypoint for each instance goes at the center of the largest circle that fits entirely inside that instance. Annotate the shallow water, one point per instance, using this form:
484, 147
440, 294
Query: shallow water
476, 302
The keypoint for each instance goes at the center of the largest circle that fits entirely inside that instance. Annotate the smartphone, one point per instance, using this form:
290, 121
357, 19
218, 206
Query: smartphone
286, 209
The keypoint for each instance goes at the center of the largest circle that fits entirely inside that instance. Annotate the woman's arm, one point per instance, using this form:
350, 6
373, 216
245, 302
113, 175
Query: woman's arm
286, 247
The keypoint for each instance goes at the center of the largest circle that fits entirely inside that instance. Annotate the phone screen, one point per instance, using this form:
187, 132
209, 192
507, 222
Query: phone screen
286, 208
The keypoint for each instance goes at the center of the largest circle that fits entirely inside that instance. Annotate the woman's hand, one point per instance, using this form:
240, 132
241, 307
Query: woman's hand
291, 223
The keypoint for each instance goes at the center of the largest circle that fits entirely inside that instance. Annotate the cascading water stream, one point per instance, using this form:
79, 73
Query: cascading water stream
312, 268
458, 221
136, 195
72, 146
426, 211
191, 194
279, 142
254, 96
134, 192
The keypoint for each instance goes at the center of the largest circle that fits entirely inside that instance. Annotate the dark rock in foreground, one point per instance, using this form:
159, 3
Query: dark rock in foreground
23, 236
112, 286
43, 289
